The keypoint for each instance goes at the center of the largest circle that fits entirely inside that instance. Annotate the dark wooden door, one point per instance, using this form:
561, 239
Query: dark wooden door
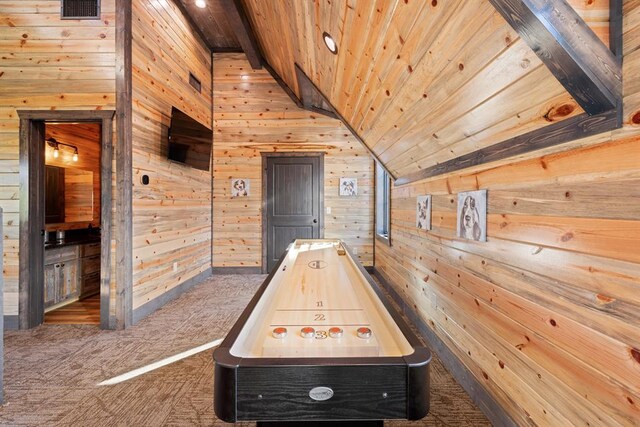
293, 204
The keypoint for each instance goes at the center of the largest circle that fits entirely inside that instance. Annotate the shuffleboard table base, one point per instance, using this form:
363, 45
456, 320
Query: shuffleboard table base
370, 423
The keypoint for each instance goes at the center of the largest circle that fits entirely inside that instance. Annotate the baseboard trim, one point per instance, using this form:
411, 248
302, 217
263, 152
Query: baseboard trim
11, 322
148, 308
478, 393
236, 270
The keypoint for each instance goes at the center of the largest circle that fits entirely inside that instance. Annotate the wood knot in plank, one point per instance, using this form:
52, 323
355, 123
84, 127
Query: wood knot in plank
604, 299
559, 112
567, 236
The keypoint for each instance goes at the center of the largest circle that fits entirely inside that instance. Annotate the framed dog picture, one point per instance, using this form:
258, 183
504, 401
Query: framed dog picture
472, 215
348, 186
240, 187
423, 212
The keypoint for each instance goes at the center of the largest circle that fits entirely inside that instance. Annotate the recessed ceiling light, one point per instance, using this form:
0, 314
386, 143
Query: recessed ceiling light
330, 42
201, 4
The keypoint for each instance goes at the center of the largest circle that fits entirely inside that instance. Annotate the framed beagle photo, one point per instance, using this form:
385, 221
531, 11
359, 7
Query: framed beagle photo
423, 212
240, 187
472, 215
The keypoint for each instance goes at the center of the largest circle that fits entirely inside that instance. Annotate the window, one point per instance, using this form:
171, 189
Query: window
383, 205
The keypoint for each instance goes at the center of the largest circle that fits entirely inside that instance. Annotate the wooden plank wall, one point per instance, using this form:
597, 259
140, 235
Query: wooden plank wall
45, 63
85, 136
252, 115
546, 313
171, 215
422, 82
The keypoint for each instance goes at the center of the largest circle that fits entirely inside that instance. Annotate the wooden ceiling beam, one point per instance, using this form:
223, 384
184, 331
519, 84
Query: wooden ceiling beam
309, 93
577, 127
311, 97
242, 28
587, 68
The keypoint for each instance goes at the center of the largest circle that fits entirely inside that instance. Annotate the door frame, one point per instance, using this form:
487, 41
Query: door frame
31, 255
266, 156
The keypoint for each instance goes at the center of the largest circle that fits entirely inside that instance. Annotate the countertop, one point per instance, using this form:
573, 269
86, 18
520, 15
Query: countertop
73, 240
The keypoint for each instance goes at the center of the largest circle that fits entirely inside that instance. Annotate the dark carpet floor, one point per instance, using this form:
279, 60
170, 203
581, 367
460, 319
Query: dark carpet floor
52, 372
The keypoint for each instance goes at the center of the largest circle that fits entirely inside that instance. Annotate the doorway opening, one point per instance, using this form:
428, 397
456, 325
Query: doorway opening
65, 217
293, 202
72, 222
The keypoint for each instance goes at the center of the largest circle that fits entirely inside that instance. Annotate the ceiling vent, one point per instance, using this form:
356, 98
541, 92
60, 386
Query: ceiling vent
80, 9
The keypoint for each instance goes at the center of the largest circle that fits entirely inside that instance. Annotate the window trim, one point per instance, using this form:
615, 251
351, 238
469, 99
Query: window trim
383, 238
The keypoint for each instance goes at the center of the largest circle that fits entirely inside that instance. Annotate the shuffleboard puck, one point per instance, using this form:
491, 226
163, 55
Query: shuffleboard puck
364, 333
335, 332
279, 333
307, 332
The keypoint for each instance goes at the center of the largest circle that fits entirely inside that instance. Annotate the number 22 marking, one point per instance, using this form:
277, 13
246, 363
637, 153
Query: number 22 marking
319, 317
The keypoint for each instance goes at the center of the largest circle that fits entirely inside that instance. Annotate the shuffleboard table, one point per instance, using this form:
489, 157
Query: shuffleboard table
320, 342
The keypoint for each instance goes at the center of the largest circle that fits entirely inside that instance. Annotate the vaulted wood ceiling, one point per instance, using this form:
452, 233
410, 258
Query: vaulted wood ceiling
421, 82
213, 24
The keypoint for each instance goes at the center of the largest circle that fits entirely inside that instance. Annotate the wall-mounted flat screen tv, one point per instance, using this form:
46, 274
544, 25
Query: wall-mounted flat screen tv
189, 141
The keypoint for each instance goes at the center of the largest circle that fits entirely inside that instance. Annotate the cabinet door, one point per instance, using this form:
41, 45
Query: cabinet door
50, 273
68, 285
90, 285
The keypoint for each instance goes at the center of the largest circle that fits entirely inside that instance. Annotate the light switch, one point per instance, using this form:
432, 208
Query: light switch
328, 210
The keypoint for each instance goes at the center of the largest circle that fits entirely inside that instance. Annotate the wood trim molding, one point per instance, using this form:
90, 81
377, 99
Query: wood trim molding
474, 388
124, 168
242, 28
106, 218
173, 293
615, 28
31, 275
343, 120
567, 130
11, 322
67, 115
569, 48
31, 249
224, 271
309, 92
1, 315
283, 85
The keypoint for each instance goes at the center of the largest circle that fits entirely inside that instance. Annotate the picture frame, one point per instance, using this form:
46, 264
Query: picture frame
240, 187
348, 187
472, 215
423, 212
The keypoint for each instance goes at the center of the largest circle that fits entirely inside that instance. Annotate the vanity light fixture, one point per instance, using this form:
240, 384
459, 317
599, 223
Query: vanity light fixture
330, 43
201, 4
52, 142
